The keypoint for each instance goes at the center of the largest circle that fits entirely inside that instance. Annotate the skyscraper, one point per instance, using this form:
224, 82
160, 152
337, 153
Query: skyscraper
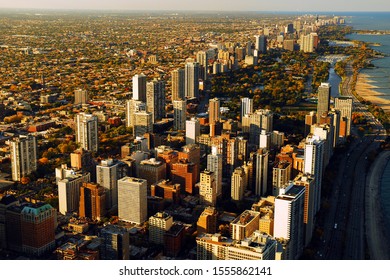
207, 188
132, 200
214, 110
115, 244
92, 201
260, 169
207, 222
80, 96
201, 58
143, 123
246, 106
155, 99
344, 105
238, 184
159, 224
192, 130
108, 172
261, 119
323, 99
139, 87
87, 131
214, 164
313, 165
261, 43
132, 107
38, 223
281, 175
179, 114
192, 79
23, 150
178, 84
69, 191
288, 223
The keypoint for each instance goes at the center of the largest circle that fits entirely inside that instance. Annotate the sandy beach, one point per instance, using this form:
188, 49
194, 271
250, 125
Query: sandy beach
367, 91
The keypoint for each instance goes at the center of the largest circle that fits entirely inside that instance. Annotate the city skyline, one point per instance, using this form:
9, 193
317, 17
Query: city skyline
202, 5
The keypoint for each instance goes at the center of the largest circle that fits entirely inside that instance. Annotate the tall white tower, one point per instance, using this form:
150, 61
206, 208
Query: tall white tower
87, 131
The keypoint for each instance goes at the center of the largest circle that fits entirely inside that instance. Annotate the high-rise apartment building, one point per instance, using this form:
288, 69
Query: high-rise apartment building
202, 59
310, 119
313, 165
308, 213
92, 201
238, 184
38, 222
192, 79
152, 170
214, 110
179, 114
133, 106
207, 222
260, 171
289, 209
143, 123
139, 87
155, 99
23, 153
253, 124
87, 131
69, 191
192, 130
344, 105
207, 188
246, 106
215, 164
159, 224
245, 224
261, 43
115, 245
80, 96
178, 84
108, 172
185, 173
281, 175
323, 99
132, 200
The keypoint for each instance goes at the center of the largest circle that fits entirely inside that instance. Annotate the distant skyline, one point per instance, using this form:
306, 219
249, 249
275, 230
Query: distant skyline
204, 5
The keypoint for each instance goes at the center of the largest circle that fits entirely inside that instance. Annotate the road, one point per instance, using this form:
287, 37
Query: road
344, 224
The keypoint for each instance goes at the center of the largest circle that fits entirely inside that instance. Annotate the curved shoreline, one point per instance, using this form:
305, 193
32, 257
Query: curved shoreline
378, 247
367, 91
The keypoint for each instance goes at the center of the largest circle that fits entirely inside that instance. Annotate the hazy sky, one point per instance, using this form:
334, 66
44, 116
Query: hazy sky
211, 5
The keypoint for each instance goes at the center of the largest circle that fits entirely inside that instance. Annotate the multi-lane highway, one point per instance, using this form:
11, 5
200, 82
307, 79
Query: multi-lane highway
344, 224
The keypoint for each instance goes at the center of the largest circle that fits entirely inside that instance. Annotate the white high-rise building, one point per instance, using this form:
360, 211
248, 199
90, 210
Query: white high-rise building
87, 131
246, 106
155, 99
215, 164
179, 114
108, 172
69, 191
143, 123
261, 43
261, 119
159, 224
139, 87
313, 165
288, 220
133, 106
192, 79
23, 150
192, 130
132, 200
265, 140
178, 84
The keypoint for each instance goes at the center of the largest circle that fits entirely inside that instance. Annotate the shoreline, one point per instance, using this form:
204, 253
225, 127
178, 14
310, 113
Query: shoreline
367, 91
375, 229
